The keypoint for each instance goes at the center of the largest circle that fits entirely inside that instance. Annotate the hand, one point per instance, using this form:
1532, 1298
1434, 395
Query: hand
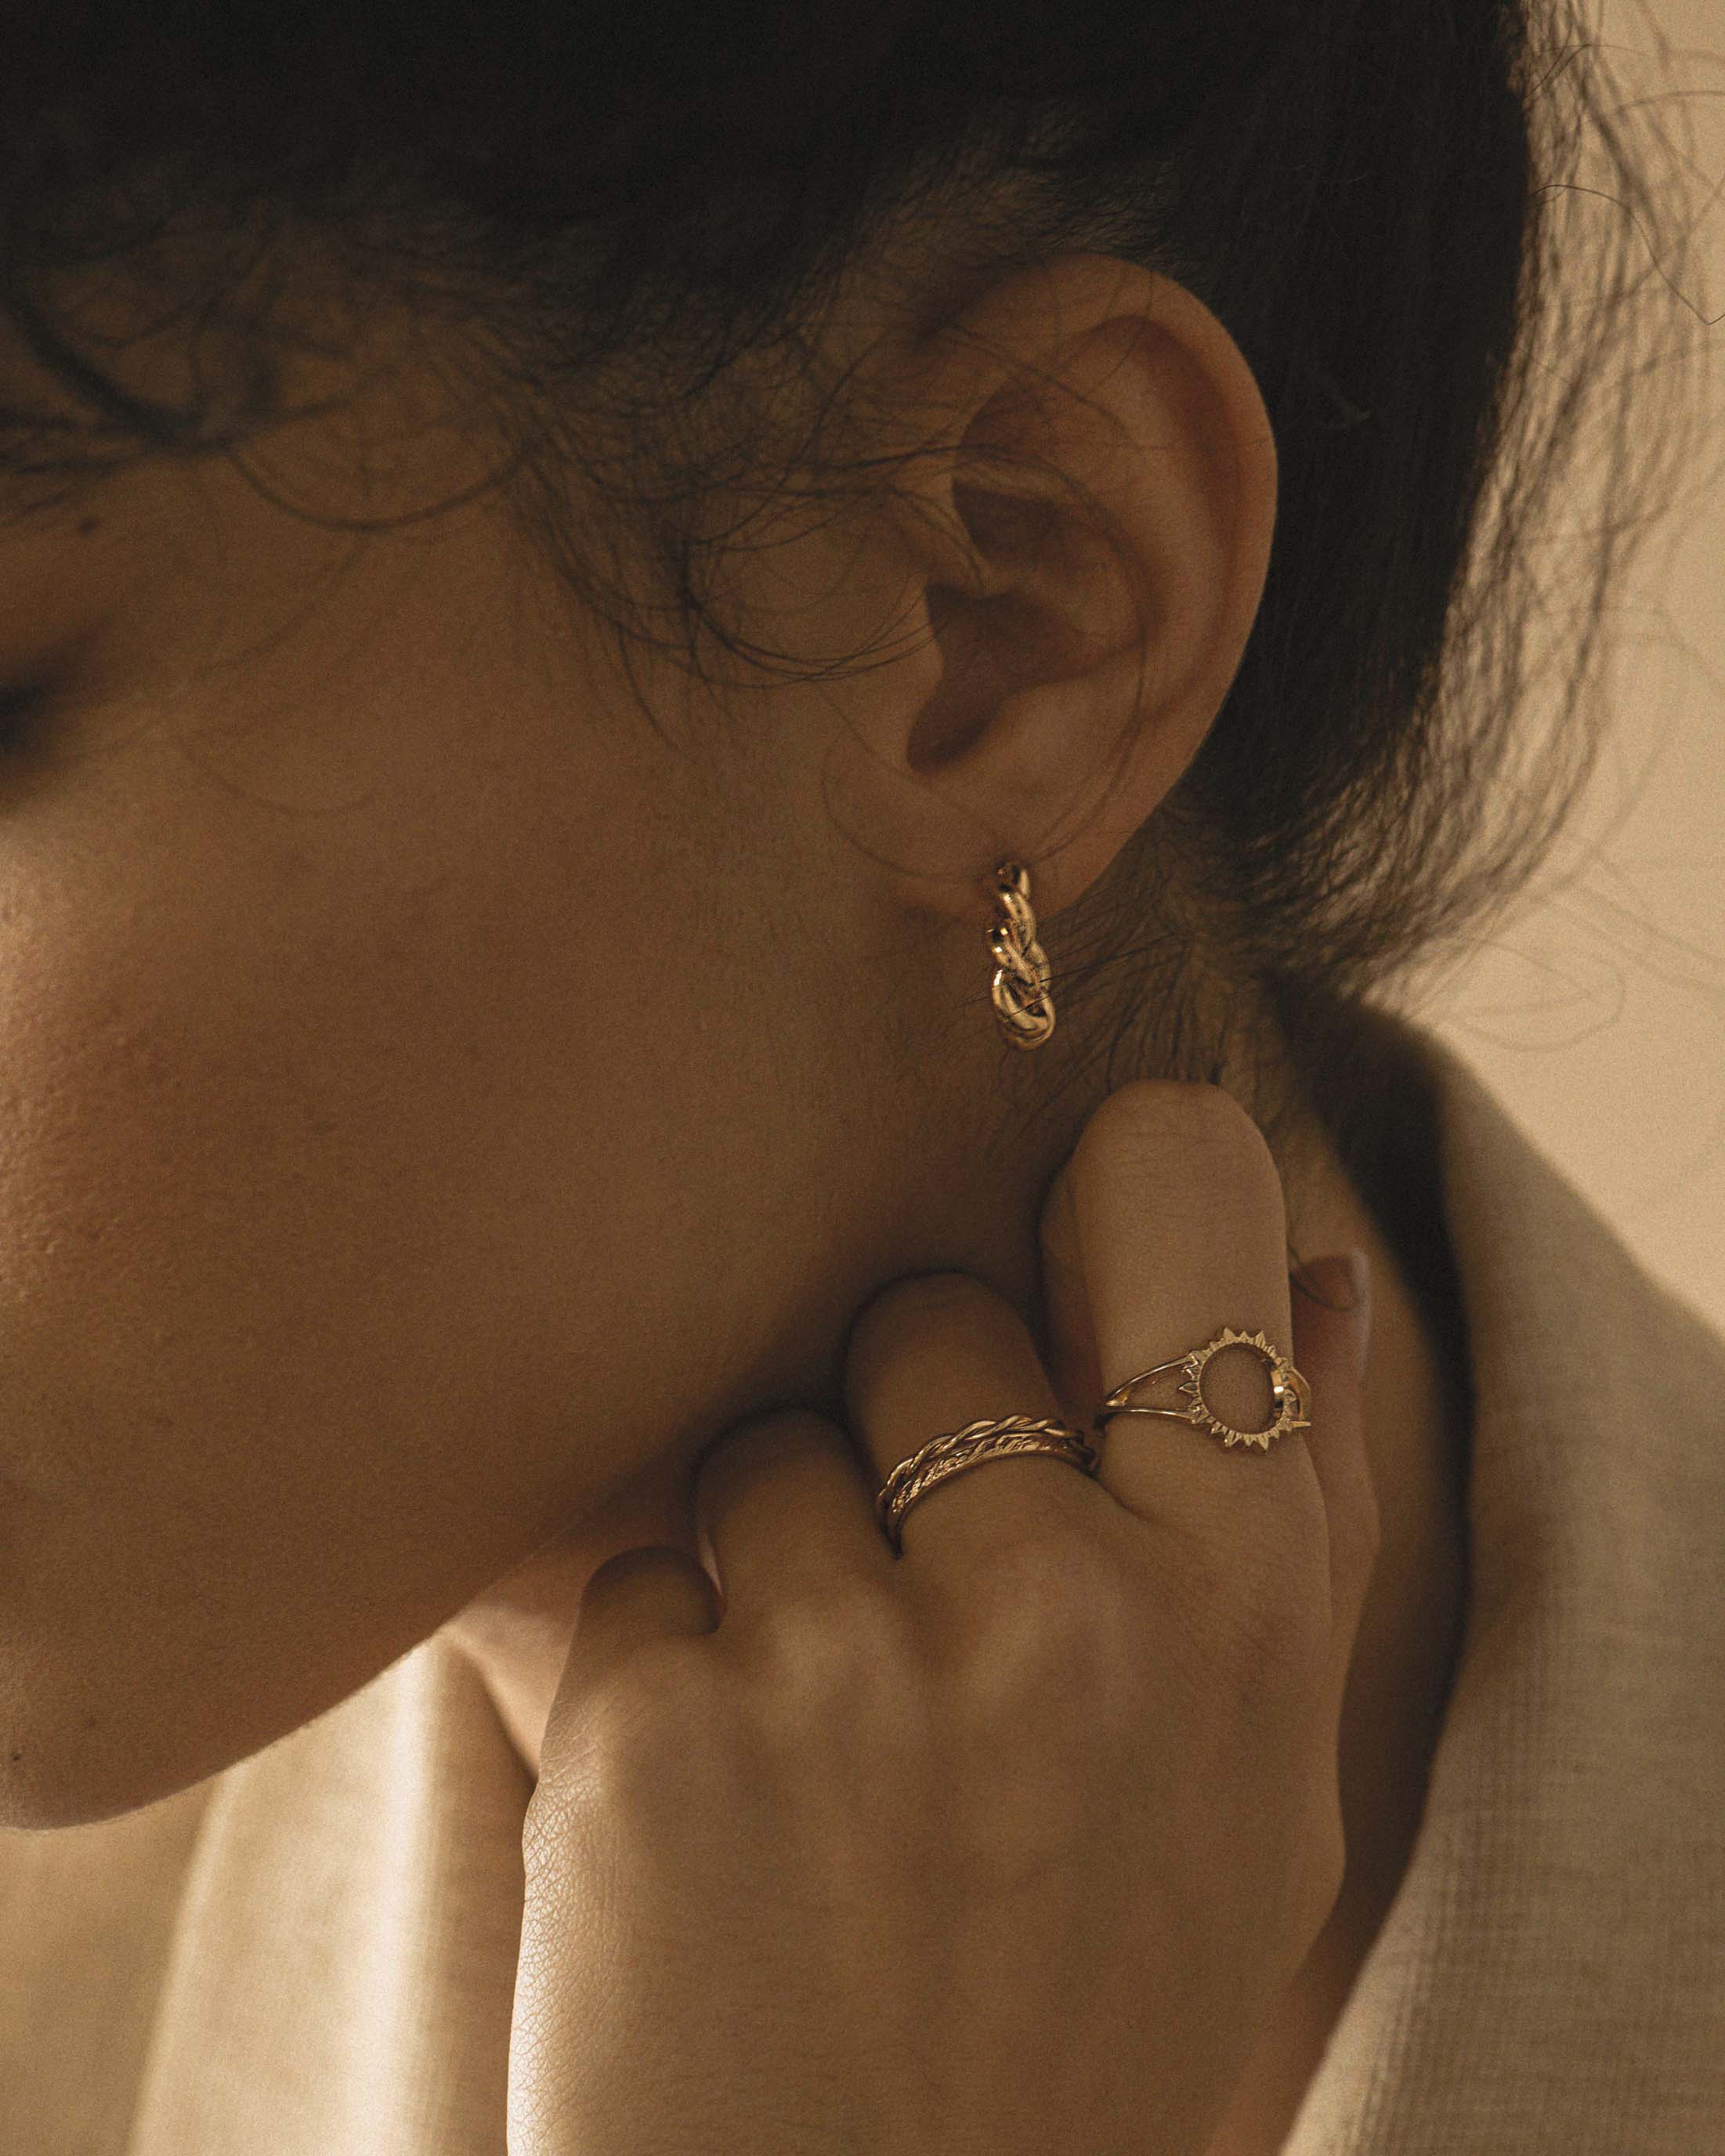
1010, 1843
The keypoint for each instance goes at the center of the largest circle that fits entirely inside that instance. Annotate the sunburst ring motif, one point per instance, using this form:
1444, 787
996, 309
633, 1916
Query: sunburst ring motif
1291, 1391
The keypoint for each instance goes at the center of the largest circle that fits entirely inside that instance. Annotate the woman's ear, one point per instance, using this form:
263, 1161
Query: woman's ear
1066, 684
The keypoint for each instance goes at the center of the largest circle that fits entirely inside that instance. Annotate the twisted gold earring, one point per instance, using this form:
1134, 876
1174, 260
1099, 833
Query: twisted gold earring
1022, 1002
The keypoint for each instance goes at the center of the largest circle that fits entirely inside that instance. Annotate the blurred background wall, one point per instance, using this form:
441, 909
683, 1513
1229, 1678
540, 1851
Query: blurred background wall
1596, 1012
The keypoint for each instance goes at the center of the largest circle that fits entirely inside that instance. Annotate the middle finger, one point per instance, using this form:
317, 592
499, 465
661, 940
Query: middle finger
1172, 1229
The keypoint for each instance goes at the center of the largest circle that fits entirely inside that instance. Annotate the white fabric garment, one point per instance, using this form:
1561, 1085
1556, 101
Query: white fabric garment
313, 1953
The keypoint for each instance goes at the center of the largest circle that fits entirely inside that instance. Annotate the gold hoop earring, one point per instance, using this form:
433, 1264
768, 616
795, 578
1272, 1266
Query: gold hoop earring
1022, 1002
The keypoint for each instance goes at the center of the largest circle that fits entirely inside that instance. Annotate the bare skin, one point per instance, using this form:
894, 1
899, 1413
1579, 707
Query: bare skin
437, 1105
1417, 1408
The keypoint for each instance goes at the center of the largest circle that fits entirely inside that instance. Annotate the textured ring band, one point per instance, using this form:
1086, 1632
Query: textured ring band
955, 1450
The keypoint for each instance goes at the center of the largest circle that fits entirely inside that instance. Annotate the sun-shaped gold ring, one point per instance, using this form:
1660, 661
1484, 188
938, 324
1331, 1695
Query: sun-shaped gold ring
1292, 1394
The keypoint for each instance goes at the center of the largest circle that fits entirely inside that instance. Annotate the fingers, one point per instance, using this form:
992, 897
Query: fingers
1325, 1350
638, 1595
1167, 1225
780, 1502
785, 1499
1106, 1310
1072, 1345
1177, 1211
929, 1355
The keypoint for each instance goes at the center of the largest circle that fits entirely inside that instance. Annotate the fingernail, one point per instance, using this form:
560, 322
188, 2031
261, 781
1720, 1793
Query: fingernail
1359, 1268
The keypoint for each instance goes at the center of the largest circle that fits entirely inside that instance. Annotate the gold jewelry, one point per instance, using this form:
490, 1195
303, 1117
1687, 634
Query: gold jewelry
951, 1454
1292, 1394
1022, 1002
956, 1450
1025, 1010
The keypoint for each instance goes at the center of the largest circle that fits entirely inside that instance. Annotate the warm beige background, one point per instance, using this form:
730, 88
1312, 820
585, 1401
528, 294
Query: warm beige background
1597, 1012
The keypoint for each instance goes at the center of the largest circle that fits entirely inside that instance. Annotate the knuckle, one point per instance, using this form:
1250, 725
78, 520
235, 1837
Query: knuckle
663, 1696
1052, 1644
915, 1303
657, 1705
1043, 1710
827, 1658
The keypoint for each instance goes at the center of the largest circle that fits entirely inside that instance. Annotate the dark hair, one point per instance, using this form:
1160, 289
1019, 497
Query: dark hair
629, 223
